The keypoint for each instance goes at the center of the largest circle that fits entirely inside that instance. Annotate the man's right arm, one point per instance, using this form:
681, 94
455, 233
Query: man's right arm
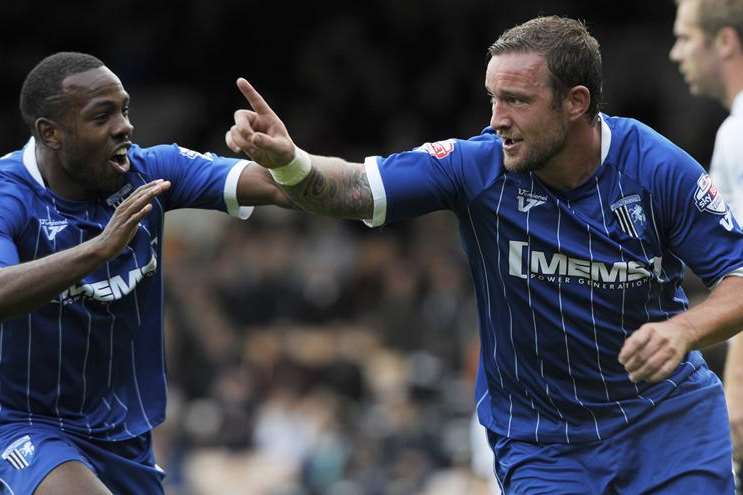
26, 286
328, 186
334, 187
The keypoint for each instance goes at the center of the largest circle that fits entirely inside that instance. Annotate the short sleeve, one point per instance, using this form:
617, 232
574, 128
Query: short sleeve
435, 176
198, 180
700, 226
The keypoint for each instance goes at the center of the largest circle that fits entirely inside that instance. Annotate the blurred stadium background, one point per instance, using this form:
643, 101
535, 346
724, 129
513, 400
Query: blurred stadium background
309, 356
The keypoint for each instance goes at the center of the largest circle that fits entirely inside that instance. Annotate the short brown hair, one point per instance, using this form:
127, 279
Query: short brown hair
572, 54
714, 15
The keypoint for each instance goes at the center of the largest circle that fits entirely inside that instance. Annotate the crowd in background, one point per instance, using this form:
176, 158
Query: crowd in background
310, 356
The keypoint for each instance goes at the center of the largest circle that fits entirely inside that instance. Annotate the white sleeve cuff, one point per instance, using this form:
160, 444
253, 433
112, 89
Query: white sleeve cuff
378, 194
230, 192
738, 272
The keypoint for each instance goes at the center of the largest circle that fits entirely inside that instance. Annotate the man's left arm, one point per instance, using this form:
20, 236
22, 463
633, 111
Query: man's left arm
655, 350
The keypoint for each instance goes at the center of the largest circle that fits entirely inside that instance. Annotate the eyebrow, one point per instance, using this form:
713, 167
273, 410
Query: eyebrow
107, 103
505, 93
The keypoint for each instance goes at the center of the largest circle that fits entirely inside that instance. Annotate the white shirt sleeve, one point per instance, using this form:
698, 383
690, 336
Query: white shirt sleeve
726, 169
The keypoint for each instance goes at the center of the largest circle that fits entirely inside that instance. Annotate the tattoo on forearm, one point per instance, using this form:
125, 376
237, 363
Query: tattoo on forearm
341, 193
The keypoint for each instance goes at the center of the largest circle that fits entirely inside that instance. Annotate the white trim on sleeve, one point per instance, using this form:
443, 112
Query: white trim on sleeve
738, 272
378, 194
230, 192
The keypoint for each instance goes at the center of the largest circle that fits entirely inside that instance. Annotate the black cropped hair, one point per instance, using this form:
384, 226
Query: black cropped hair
42, 89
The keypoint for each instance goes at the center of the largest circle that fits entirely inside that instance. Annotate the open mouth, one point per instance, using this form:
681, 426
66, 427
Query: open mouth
510, 143
120, 160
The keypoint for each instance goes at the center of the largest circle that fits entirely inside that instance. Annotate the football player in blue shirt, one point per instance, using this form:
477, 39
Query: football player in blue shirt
82, 371
577, 226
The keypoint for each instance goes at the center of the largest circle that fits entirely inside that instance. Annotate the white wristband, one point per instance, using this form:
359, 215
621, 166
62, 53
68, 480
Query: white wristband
295, 171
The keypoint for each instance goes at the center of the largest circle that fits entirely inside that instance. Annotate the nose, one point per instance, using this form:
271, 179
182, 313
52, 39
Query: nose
122, 127
674, 53
499, 118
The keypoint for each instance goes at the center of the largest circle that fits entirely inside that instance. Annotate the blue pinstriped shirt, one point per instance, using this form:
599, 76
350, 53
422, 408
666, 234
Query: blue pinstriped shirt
562, 278
92, 361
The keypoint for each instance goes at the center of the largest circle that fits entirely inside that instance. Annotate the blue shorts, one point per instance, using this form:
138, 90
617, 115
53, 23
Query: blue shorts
28, 453
682, 446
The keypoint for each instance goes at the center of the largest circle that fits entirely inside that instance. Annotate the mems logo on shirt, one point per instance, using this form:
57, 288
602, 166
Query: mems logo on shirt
110, 289
558, 267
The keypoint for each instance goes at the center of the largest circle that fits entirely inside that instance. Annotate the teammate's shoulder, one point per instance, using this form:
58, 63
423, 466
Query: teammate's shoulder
172, 149
143, 158
482, 143
487, 138
731, 130
13, 173
638, 148
10, 157
11, 161
627, 129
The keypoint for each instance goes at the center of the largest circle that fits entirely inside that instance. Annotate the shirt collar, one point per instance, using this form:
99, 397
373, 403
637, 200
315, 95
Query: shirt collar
605, 139
737, 106
29, 161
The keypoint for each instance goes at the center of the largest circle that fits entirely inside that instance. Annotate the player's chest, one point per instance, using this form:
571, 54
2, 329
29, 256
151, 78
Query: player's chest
603, 220
52, 228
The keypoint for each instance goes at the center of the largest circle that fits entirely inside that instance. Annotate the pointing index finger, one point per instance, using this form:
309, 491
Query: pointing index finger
254, 98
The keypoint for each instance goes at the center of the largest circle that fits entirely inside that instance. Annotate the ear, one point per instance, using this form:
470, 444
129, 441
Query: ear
727, 43
577, 101
49, 133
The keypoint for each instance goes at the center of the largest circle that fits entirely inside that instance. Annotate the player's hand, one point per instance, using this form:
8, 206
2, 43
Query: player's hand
125, 221
259, 132
655, 350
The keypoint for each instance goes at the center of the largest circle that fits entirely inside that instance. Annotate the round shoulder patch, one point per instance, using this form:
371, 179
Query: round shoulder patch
707, 197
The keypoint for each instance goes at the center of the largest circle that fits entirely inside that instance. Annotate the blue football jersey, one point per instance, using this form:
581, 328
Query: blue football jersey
91, 361
562, 278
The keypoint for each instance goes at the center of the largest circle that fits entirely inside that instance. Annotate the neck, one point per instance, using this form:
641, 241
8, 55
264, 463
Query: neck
56, 177
732, 79
578, 160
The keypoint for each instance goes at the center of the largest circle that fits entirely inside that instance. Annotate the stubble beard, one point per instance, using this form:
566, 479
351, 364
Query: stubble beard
539, 154
95, 179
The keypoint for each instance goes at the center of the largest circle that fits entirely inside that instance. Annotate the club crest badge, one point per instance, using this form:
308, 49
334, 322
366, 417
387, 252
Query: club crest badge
631, 215
20, 454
